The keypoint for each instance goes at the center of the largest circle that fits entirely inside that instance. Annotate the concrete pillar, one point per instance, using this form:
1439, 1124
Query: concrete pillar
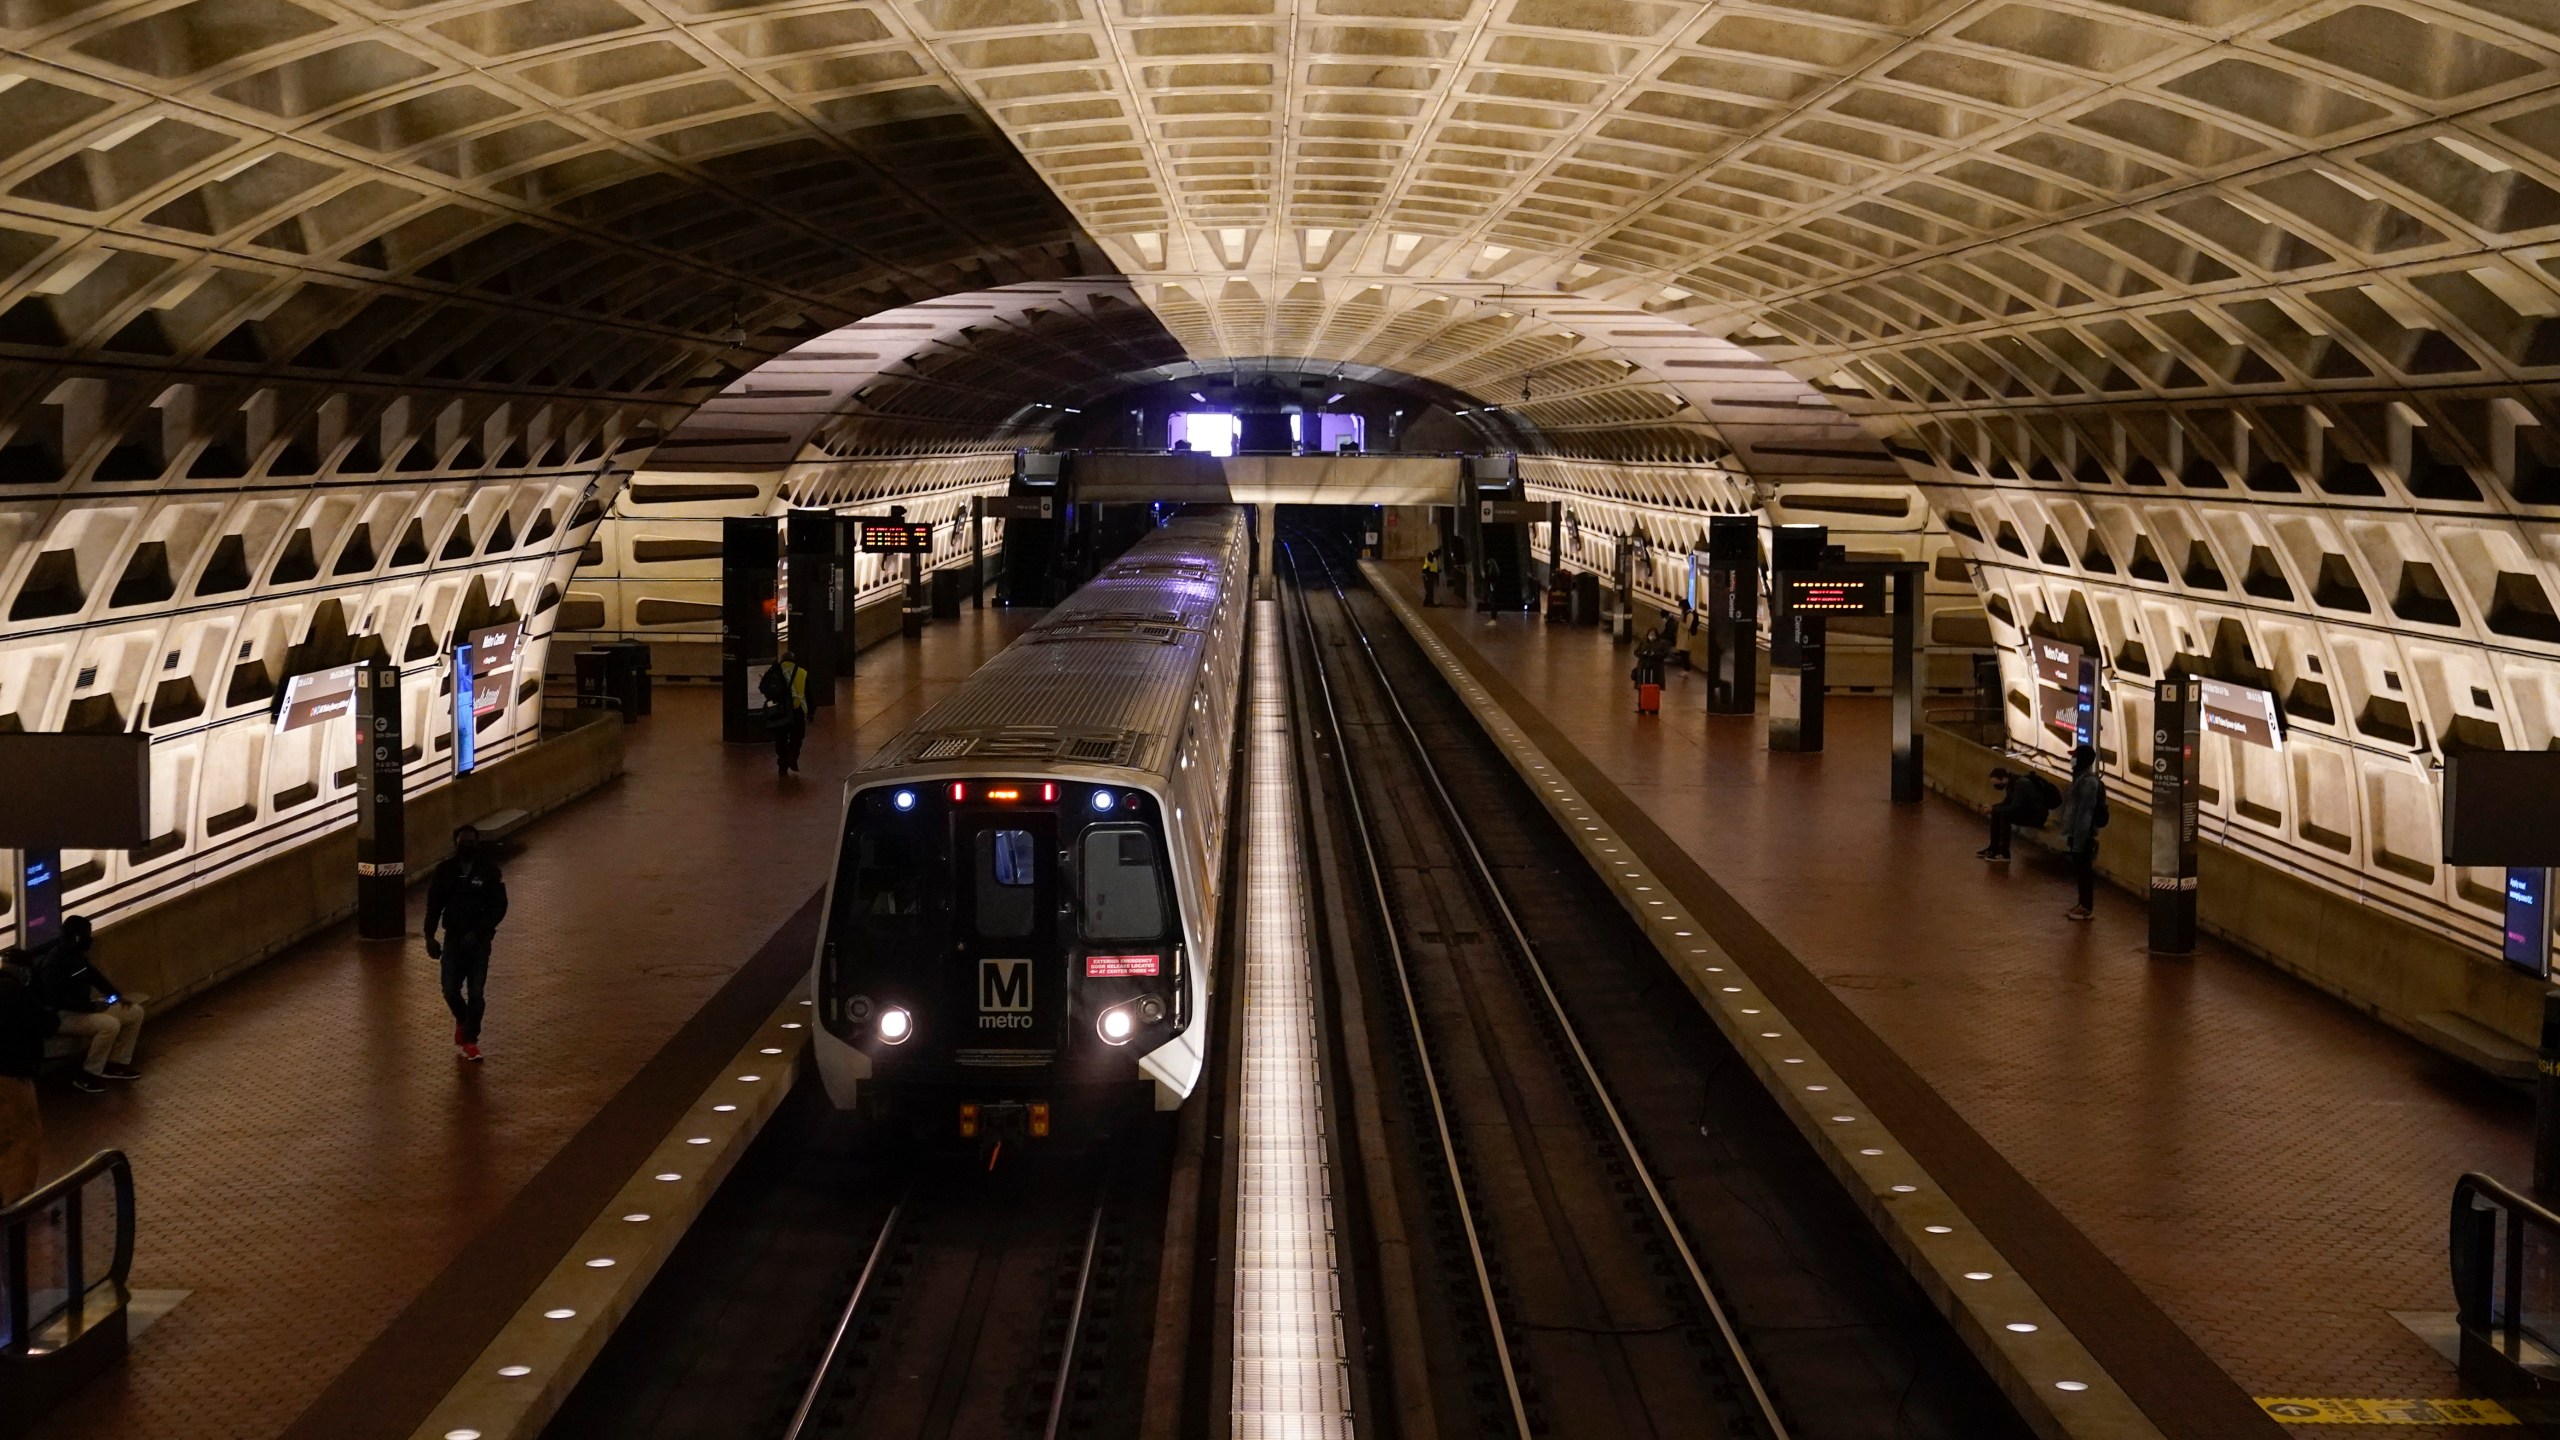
1266, 520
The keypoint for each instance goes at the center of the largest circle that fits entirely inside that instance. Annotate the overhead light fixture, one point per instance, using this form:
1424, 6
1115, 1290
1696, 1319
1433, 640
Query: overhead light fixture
1196, 395
1336, 398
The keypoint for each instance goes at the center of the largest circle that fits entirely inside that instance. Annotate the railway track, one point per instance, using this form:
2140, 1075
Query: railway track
1625, 1237
844, 1284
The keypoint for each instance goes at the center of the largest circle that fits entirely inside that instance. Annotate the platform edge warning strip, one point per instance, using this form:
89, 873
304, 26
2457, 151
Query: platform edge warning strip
2162, 1376
408, 1369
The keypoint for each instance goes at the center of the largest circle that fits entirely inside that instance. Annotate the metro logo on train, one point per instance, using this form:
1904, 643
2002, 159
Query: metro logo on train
1004, 989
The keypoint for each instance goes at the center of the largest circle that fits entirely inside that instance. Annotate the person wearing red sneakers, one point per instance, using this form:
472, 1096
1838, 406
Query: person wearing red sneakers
468, 896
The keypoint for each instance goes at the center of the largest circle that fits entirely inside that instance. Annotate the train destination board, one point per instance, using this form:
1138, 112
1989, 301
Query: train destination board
895, 537
1821, 592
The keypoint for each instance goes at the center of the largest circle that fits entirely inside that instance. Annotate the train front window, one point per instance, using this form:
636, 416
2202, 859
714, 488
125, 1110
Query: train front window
1004, 891
1123, 889
892, 884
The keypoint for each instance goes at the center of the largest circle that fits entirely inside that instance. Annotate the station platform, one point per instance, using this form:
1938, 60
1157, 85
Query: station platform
335, 1211
2229, 1185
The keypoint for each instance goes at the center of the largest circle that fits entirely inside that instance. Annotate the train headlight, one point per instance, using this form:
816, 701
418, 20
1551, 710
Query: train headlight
904, 799
1116, 1025
896, 1025
1102, 799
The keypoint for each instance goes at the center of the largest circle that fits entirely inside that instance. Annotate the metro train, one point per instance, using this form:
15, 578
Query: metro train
1020, 933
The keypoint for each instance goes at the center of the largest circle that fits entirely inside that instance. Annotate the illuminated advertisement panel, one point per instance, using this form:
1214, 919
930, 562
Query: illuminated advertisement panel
2528, 938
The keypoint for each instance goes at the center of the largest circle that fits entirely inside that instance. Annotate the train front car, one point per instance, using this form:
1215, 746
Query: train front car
1020, 935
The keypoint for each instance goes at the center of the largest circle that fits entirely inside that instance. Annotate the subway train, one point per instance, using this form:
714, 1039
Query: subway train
1020, 933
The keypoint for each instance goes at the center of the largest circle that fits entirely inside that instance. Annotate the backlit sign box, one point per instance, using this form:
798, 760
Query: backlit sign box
319, 696
2498, 807
2057, 662
493, 665
2243, 712
74, 792
2059, 710
1822, 594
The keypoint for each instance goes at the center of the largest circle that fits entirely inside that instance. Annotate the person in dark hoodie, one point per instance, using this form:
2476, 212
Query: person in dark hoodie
468, 896
2084, 814
87, 1004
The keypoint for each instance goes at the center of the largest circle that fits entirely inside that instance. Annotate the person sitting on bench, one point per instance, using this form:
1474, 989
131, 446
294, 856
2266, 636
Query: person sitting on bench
2027, 799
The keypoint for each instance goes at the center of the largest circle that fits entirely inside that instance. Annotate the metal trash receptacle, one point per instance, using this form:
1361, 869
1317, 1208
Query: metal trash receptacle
595, 678
631, 661
1586, 599
946, 594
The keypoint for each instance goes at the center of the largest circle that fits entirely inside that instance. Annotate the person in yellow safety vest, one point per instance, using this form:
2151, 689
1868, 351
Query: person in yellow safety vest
786, 694
1431, 578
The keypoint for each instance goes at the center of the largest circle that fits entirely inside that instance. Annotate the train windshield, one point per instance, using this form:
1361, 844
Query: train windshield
1005, 883
1123, 889
892, 885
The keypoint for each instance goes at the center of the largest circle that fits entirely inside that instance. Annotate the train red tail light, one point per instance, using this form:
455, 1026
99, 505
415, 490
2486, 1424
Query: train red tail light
1122, 967
1048, 792
959, 791
1039, 1119
968, 1122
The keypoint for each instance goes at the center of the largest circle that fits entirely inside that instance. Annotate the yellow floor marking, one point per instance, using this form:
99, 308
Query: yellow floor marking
2311, 1410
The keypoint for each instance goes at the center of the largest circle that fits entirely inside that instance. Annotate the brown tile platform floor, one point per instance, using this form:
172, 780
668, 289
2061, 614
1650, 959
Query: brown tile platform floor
308, 1152
2269, 1166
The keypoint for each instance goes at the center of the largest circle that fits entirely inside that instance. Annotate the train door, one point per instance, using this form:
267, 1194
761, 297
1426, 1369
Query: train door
1008, 982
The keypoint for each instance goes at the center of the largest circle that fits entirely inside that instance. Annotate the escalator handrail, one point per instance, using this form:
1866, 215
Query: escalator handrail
59, 1192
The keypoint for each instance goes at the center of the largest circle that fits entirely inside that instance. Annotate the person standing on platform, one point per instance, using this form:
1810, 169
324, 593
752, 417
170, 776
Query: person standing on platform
786, 694
88, 1004
468, 895
2084, 814
1431, 578
24, 1022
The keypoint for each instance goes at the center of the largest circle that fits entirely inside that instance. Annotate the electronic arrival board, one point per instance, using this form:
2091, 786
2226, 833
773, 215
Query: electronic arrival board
1819, 592
895, 537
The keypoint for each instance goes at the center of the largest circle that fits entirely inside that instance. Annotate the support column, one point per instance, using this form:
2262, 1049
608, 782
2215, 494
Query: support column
810, 541
2176, 719
978, 552
1733, 614
750, 547
1796, 644
382, 830
1907, 739
1266, 520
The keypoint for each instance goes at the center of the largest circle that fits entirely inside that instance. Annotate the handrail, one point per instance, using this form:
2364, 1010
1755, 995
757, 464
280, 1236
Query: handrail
67, 1193
2490, 1229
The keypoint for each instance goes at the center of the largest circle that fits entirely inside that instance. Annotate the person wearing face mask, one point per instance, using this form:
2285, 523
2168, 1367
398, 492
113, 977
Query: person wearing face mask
468, 897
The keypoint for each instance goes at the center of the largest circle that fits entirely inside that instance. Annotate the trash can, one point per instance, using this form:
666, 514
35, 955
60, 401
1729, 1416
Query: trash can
595, 679
946, 594
631, 658
1586, 599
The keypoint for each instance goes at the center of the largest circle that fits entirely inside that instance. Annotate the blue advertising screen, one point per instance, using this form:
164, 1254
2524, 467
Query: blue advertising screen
2528, 946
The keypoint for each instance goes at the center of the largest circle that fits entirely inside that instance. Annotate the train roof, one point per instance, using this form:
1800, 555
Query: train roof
1103, 677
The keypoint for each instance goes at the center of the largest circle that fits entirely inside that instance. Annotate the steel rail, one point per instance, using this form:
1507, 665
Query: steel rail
1413, 1016
828, 1361
1528, 952
1075, 1326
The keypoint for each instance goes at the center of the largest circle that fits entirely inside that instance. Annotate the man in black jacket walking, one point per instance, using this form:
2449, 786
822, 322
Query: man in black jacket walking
468, 894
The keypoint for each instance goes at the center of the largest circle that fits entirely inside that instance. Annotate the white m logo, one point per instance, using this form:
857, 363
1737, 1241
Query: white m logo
1004, 985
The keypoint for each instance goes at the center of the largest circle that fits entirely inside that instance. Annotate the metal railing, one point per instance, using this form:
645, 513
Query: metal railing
2506, 1288
65, 1257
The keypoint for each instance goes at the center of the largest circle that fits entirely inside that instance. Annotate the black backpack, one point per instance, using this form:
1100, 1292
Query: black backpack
775, 688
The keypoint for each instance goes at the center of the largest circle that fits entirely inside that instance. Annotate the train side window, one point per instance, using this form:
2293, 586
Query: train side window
1004, 883
1123, 888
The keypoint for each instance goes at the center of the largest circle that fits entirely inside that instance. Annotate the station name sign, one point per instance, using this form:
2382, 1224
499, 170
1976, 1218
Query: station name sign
2057, 662
895, 537
1015, 507
2243, 712
319, 696
1510, 512
1825, 592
